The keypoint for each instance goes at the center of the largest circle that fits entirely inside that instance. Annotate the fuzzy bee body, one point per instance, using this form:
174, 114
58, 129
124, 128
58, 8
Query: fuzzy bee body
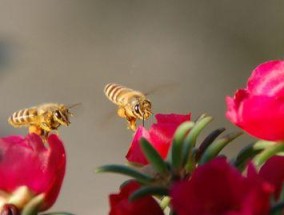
132, 104
41, 119
23, 117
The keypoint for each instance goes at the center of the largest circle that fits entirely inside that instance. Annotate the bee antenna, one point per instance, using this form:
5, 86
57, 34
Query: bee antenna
143, 120
74, 105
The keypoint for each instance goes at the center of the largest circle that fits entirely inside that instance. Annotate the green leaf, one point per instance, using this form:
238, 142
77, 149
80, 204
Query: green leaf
148, 190
207, 142
246, 154
175, 154
191, 138
263, 144
34, 205
153, 157
267, 153
277, 209
214, 149
128, 171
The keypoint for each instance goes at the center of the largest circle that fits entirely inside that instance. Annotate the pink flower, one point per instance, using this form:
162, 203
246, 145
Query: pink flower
273, 172
28, 165
160, 135
217, 188
259, 108
120, 205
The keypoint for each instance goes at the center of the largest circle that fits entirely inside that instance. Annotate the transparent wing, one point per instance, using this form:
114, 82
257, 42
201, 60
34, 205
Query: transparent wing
163, 88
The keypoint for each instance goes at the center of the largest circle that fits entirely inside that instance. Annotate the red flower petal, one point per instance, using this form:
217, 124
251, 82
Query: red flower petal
267, 79
135, 153
120, 205
27, 161
273, 172
160, 135
172, 118
259, 109
261, 116
217, 188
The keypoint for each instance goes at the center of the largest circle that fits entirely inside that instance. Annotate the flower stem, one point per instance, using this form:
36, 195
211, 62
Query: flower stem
268, 153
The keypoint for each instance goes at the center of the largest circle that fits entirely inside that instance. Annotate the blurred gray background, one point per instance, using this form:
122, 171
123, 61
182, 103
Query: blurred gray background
66, 51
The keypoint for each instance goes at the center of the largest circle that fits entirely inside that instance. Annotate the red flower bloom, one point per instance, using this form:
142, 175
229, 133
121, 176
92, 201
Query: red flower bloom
259, 108
217, 188
27, 162
120, 205
273, 172
160, 135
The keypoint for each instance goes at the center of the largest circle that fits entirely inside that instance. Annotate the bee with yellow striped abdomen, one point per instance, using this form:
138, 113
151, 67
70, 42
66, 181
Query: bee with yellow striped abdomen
41, 119
132, 104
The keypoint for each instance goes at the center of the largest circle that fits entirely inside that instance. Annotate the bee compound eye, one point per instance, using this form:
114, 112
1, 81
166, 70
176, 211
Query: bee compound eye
57, 114
136, 108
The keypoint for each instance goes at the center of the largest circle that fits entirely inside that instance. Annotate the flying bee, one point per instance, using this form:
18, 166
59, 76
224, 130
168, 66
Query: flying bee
42, 119
132, 104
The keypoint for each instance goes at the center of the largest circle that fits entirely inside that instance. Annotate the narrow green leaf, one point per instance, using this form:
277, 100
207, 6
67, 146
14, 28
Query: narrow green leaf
214, 149
201, 117
207, 142
191, 138
182, 130
148, 190
267, 153
175, 154
277, 209
263, 144
246, 154
153, 157
124, 170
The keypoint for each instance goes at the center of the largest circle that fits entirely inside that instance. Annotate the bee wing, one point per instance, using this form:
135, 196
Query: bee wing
77, 107
74, 105
162, 88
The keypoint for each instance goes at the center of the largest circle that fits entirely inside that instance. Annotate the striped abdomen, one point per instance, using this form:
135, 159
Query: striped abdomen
23, 117
119, 94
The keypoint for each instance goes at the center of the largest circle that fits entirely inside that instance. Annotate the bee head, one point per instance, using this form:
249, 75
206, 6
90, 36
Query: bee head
142, 109
61, 115
146, 108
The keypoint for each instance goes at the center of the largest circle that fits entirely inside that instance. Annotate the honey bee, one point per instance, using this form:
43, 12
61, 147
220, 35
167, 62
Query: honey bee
132, 104
42, 119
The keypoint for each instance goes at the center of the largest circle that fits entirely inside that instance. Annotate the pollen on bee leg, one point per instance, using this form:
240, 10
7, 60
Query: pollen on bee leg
36, 130
132, 124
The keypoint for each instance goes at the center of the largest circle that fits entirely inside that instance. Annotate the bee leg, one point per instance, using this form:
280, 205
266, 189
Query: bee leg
35, 129
121, 112
132, 124
45, 122
45, 127
45, 131
44, 136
